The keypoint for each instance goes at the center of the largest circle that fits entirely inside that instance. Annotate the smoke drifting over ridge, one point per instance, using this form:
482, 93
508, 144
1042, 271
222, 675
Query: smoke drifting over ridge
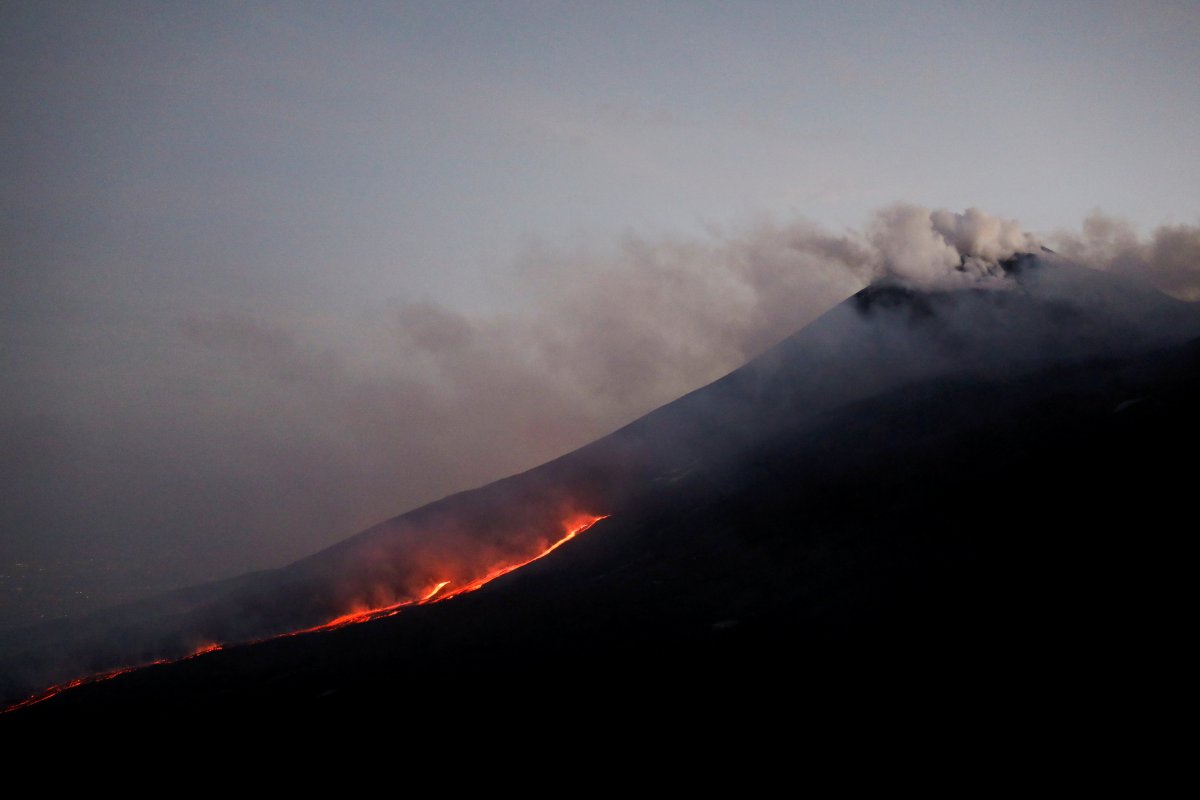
663, 317
1169, 258
291, 447
942, 249
467, 398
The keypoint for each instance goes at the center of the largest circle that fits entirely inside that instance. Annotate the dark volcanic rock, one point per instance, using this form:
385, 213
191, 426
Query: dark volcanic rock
946, 486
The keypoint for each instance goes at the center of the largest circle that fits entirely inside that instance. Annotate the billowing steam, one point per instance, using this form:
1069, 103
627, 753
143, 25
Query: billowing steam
266, 448
460, 399
608, 340
1169, 258
944, 249
319, 443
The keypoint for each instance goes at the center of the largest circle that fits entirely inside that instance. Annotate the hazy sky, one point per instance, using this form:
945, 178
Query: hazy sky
272, 271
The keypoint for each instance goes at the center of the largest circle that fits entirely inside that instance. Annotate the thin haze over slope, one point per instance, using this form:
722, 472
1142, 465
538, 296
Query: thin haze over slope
272, 272
998, 319
288, 446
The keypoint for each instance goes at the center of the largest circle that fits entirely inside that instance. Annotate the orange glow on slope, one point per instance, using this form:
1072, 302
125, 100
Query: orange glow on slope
435, 594
575, 526
354, 617
59, 688
208, 648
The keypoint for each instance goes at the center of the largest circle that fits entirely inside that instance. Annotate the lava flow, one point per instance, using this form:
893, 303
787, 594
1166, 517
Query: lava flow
365, 615
59, 688
438, 592
575, 526
572, 532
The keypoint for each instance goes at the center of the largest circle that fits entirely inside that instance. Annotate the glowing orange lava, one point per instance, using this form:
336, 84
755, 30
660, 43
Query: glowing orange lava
575, 526
59, 688
208, 648
437, 593
364, 615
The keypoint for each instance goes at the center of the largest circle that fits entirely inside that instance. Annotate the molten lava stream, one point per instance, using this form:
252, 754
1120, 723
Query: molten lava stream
365, 615
575, 526
59, 688
436, 594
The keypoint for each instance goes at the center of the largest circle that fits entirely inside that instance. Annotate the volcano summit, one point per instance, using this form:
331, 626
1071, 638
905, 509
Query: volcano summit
978, 478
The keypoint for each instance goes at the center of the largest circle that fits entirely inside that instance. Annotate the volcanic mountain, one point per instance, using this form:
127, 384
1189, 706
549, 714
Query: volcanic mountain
967, 483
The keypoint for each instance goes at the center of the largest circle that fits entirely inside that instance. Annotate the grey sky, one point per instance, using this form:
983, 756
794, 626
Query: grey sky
217, 219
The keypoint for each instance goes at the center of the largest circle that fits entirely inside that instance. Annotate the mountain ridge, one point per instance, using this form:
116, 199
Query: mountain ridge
685, 443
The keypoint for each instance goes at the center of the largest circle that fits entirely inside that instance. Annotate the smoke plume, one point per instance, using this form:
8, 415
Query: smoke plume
244, 445
1169, 258
943, 249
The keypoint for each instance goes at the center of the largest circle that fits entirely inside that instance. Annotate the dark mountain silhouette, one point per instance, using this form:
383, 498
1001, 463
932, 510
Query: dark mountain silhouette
964, 485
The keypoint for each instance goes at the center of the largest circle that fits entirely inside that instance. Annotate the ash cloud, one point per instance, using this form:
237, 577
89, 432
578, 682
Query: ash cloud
1169, 258
460, 399
944, 249
293, 446
620, 336
270, 447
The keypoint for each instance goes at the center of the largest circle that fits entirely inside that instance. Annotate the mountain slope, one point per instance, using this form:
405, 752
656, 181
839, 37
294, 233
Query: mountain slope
915, 472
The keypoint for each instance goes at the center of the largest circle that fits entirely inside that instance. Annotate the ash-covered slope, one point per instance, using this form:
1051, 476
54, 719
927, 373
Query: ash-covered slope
912, 466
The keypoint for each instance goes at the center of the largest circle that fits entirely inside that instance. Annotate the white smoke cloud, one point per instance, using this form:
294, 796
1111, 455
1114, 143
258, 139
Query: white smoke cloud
270, 446
465, 398
942, 249
1169, 258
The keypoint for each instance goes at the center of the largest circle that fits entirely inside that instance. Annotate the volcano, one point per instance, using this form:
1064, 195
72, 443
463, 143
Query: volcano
977, 485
